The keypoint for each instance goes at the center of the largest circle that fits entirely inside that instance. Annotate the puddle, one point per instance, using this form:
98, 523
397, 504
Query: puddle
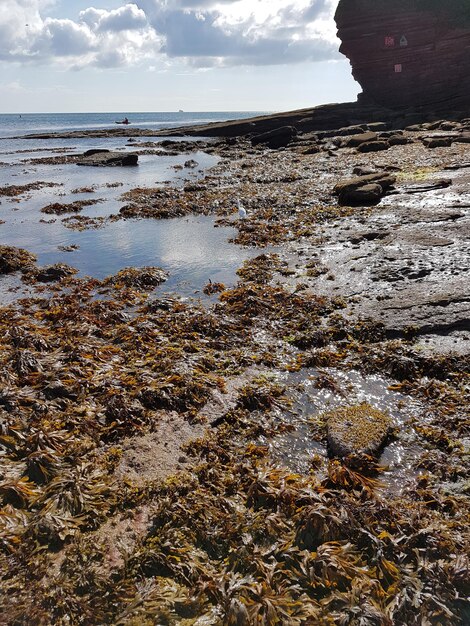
191, 249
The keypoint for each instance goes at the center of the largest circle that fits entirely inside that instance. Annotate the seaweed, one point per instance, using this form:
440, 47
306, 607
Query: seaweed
90, 369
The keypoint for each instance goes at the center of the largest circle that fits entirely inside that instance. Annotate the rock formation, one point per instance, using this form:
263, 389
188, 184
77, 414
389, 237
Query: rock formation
358, 429
408, 52
108, 157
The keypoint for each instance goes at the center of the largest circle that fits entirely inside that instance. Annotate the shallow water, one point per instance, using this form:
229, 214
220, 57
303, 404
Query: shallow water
295, 449
191, 249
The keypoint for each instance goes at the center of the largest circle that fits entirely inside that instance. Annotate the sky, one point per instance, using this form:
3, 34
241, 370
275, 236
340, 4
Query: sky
166, 55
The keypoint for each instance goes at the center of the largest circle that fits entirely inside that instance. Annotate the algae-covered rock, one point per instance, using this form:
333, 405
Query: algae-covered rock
51, 273
15, 259
144, 278
358, 429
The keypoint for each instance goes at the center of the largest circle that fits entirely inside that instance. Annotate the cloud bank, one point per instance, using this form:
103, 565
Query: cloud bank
202, 33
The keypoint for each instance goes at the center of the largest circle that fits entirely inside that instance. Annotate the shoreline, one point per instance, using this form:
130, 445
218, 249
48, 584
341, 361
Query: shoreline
156, 436
321, 118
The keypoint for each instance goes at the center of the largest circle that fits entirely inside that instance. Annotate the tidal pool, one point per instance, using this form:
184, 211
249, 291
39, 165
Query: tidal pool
192, 249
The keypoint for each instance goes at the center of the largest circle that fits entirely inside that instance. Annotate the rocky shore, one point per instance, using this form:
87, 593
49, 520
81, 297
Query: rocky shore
291, 449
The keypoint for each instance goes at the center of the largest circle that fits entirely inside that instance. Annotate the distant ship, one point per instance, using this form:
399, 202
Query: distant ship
181, 111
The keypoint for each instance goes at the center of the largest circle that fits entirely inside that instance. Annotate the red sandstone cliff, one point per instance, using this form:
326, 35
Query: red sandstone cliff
406, 57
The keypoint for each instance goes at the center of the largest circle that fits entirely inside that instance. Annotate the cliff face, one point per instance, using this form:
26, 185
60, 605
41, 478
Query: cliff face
408, 52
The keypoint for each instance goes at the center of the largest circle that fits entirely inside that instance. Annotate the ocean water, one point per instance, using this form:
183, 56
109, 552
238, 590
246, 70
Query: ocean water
16, 124
191, 249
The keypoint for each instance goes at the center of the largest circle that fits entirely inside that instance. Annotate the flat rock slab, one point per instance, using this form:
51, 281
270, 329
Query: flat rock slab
108, 158
349, 184
358, 429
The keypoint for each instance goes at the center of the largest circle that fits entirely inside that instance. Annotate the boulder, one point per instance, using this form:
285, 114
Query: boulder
373, 146
108, 158
358, 429
408, 53
349, 184
437, 142
356, 140
276, 138
366, 195
398, 140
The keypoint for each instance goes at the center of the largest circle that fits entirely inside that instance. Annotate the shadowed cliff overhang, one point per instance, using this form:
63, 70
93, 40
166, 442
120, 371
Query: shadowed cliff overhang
408, 52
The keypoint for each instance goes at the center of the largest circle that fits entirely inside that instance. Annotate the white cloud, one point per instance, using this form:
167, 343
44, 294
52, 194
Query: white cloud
62, 38
203, 33
236, 33
128, 17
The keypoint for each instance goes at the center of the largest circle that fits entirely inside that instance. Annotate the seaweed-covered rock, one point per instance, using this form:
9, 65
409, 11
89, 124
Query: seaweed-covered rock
408, 52
51, 273
144, 278
57, 208
15, 259
358, 429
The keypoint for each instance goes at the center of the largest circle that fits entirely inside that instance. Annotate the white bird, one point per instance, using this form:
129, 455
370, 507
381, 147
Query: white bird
241, 210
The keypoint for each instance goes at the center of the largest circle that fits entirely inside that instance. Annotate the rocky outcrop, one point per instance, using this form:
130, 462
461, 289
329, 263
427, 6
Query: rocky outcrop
363, 190
107, 157
408, 52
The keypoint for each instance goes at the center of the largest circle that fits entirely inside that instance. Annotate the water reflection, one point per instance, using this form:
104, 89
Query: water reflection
191, 249
296, 448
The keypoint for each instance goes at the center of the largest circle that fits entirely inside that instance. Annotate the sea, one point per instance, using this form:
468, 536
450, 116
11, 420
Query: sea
192, 249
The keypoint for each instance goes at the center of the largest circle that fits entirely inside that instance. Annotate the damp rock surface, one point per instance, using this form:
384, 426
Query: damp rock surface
108, 157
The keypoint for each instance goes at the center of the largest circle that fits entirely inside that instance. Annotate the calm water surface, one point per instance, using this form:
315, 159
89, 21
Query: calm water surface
191, 249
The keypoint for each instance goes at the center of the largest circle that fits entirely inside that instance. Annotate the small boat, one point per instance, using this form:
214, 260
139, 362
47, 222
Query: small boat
124, 121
